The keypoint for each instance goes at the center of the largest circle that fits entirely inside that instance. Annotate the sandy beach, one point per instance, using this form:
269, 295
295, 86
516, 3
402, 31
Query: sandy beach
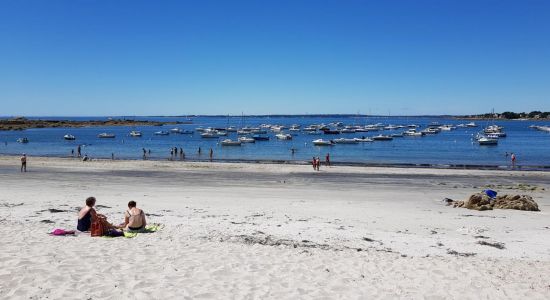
271, 231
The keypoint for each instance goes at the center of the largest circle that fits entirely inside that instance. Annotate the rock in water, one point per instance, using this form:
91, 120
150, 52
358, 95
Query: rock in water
519, 202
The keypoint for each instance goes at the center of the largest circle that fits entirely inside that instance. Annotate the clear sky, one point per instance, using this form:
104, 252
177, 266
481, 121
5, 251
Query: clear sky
74, 58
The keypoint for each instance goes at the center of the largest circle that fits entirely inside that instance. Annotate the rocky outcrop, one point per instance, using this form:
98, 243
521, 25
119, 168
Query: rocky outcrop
519, 202
480, 201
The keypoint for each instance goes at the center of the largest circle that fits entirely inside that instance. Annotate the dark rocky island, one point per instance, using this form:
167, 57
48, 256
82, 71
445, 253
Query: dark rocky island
23, 123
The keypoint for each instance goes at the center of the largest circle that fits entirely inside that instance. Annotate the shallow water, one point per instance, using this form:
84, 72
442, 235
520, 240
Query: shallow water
455, 147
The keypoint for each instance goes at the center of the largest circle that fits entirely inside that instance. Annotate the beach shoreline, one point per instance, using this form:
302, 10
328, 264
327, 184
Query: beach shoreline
271, 231
509, 167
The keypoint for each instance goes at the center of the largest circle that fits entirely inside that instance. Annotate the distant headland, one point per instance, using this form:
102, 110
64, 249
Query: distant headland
21, 123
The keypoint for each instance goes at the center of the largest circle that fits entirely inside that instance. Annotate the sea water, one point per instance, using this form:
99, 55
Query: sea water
456, 147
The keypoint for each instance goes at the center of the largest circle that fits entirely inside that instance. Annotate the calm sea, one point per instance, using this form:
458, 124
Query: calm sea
446, 148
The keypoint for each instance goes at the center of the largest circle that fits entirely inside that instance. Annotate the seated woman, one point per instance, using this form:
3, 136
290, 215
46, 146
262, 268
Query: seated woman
134, 218
87, 214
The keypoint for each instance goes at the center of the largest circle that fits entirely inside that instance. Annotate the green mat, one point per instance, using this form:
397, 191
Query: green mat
148, 229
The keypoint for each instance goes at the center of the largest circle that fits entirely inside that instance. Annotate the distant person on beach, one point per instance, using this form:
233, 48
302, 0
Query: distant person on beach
78, 151
88, 214
211, 153
318, 163
134, 218
112, 156
171, 153
24, 163
199, 151
144, 153
314, 163
72, 152
513, 158
327, 159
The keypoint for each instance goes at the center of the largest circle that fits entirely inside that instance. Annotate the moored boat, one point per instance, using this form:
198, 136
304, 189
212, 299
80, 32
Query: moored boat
69, 137
382, 137
321, 142
230, 142
245, 139
283, 136
258, 137
345, 141
106, 135
487, 141
135, 133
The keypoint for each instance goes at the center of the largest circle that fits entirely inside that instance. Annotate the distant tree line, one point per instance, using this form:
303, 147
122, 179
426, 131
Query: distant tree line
513, 115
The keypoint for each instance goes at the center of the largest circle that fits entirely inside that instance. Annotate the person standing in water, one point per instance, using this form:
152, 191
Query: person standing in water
327, 159
211, 154
24, 163
78, 151
513, 159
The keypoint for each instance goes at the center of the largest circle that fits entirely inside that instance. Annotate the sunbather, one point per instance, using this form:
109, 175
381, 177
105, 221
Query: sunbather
87, 214
134, 218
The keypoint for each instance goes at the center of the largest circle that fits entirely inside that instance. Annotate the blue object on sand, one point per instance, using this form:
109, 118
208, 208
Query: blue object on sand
490, 193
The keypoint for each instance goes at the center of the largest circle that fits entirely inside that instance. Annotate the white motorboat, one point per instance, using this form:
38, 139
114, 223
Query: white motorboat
413, 132
471, 124
348, 130
364, 140
246, 139
487, 141
397, 134
382, 137
135, 133
447, 127
321, 142
209, 135
69, 137
176, 130
243, 132
221, 133
106, 135
23, 140
162, 132
431, 130
313, 132
345, 141
283, 136
230, 142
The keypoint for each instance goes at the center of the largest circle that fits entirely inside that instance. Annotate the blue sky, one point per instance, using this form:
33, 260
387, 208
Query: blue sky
133, 57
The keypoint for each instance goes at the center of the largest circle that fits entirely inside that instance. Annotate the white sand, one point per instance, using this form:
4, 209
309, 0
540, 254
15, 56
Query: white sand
252, 231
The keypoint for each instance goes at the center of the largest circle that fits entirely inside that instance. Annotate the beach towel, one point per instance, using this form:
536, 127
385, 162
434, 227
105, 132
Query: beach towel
148, 229
59, 231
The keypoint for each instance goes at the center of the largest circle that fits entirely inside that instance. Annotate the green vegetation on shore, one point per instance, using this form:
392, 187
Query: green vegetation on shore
508, 115
23, 123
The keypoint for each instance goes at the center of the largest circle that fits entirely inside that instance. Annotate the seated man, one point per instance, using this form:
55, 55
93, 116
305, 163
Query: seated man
134, 218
